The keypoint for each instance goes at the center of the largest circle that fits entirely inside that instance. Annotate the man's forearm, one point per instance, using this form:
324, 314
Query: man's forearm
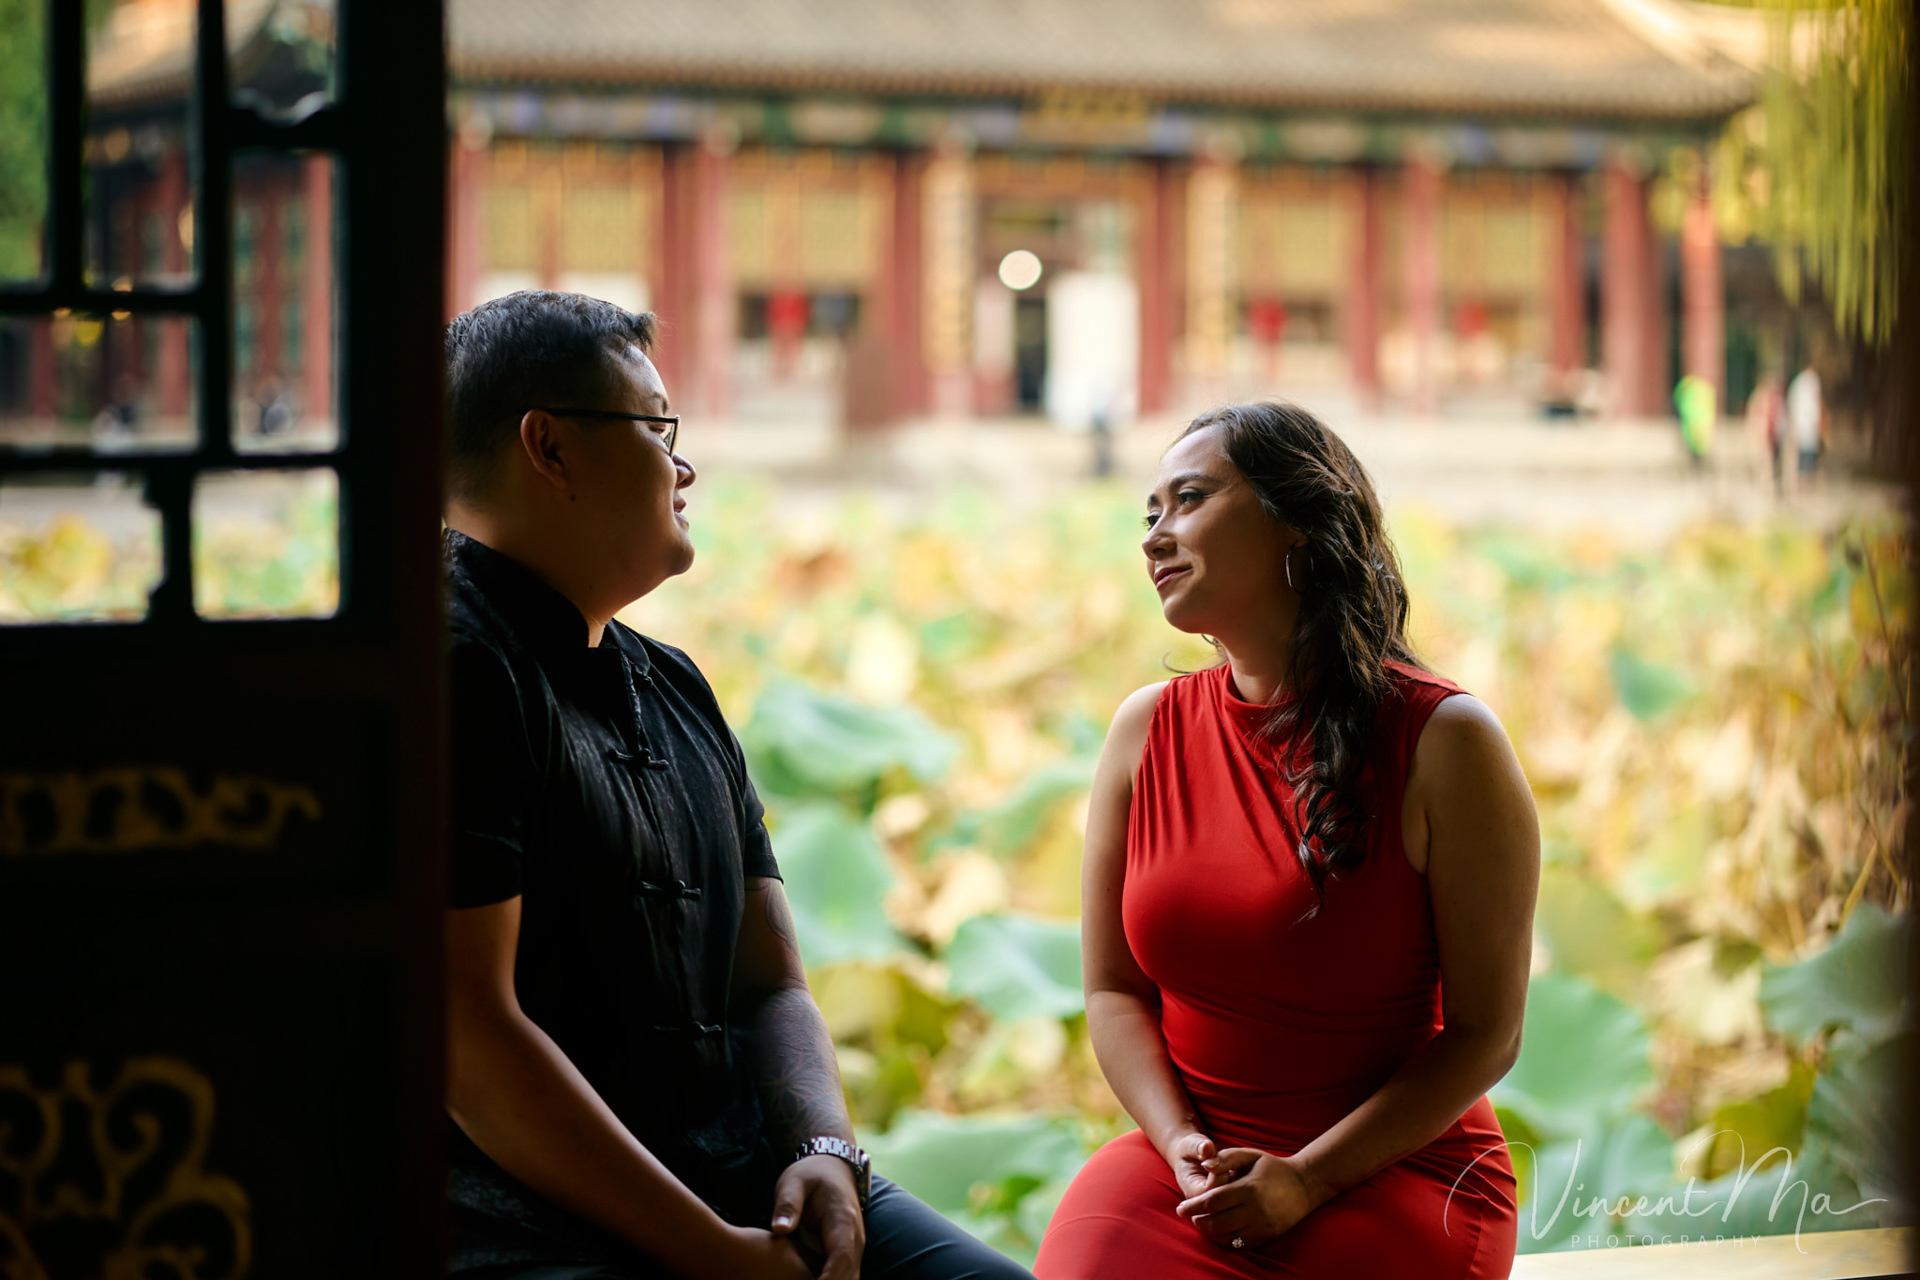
796, 1072
525, 1104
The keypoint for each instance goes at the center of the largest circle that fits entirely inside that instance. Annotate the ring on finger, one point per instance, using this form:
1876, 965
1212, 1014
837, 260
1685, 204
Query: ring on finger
1238, 1243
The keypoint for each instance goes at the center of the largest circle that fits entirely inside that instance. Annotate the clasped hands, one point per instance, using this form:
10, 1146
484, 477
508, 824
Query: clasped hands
1241, 1193
816, 1233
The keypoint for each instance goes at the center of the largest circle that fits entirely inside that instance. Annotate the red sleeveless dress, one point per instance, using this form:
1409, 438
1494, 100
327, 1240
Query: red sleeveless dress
1279, 1026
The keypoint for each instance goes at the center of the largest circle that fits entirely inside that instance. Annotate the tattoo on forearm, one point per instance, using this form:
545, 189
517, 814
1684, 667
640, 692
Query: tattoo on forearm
794, 1064
780, 920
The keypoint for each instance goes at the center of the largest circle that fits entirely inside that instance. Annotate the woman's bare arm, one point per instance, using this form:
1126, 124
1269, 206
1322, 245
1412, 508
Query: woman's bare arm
1123, 1004
520, 1099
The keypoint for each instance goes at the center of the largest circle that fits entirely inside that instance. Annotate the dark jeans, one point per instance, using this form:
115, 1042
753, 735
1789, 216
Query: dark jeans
905, 1241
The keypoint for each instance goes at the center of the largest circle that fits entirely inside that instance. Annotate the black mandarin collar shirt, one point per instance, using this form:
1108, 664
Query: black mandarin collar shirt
603, 788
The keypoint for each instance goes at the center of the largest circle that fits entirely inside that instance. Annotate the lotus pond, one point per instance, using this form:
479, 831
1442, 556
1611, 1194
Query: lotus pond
1713, 728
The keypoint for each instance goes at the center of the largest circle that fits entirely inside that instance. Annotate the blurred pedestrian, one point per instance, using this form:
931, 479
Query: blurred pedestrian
1698, 404
1766, 421
1807, 415
275, 413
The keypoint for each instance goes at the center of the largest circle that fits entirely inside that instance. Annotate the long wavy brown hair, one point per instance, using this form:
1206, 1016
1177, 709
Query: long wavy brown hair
1352, 620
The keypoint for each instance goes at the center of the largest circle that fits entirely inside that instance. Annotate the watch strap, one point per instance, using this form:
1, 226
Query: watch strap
860, 1162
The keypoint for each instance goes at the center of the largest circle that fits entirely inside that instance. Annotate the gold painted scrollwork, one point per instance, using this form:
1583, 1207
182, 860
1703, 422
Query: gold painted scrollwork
135, 808
113, 1183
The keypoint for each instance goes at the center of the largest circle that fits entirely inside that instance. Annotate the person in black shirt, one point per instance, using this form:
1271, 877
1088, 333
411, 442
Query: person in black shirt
640, 1083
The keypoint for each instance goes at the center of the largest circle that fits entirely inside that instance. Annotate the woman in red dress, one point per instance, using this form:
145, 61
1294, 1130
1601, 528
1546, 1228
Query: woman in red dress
1309, 886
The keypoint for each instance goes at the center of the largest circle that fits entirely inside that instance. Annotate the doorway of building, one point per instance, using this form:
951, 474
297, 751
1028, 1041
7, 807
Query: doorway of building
1030, 351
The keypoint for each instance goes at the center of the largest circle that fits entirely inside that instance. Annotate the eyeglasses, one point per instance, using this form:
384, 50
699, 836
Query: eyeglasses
667, 437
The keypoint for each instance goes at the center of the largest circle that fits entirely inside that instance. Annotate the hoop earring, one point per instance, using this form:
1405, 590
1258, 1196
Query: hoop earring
1286, 563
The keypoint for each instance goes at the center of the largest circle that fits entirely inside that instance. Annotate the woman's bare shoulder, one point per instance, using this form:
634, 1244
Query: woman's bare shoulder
1127, 735
1135, 712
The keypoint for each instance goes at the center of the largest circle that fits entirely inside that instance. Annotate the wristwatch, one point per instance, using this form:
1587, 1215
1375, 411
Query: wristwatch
861, 1162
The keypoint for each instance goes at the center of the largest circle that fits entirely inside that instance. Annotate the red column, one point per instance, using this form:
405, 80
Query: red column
1566, 284
1703, 302
1363, 293
671, 274
1423, 278
904, 294
41, 373
1158, 311
713, 302
463, 199
1630, 326
270, 293
171, 377
316, 290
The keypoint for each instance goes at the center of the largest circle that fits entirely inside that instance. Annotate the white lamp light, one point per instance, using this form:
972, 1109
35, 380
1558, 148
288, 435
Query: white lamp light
1020, 270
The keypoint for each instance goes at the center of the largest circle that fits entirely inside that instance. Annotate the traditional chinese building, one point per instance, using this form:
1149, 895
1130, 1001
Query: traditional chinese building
1420, 202
877, 211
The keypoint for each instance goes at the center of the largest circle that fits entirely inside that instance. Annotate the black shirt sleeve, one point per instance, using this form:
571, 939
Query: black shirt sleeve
756, 850
492, 773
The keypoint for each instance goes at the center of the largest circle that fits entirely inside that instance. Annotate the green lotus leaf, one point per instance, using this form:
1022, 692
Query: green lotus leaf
1646, 689
800, 742
1857, 983
835, 879
1620, 1160
1583, 1058
943, 1158
1017, 967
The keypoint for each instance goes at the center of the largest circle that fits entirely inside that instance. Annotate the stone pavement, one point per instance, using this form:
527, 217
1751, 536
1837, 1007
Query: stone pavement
1631, 480
1628, 478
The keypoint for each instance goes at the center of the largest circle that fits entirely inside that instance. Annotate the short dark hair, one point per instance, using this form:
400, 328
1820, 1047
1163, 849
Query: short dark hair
528, 350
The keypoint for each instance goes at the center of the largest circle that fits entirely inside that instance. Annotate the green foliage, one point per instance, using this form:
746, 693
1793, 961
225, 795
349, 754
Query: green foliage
945, 1161
1618, 1159
1819, 170
998, 1177
1646, 689
802, 743
1018, 968
23, 137
1583, 1058
920, 702
1858, 1116
1590, 933
1740, 1131
835, 879
1857, 984
1008, 828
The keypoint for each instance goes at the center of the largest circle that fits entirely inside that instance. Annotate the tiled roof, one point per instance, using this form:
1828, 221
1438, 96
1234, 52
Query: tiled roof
1626, 59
